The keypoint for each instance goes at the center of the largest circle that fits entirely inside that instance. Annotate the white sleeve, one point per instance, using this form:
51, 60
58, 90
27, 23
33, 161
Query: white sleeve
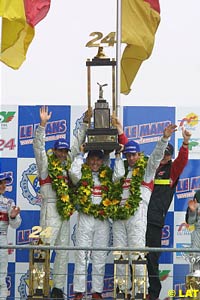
154, 159
78, 141
16, 222
119, 169
193, 216
40, 152
75, 169
107, 160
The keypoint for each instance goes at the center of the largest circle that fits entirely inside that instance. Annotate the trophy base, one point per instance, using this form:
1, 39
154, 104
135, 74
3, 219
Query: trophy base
139, 296
102, 146
121, 296
102, 139
101, 61
38, 295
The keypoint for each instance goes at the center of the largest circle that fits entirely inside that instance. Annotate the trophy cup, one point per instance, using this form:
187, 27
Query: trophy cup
101, 135
139, 285
120, 282
39, 272
193, 278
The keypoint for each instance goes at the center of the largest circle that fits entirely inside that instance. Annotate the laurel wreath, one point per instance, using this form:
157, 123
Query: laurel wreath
120, 212
81, 200
60, 184
83, 196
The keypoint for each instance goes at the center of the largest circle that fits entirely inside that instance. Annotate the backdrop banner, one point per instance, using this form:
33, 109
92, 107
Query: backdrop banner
142, 124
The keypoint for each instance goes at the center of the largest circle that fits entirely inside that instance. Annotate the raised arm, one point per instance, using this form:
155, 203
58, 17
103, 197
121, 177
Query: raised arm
80, 138
119, 169
39, 143
122, 138
75, 172
192, 211
158, 153
181, 161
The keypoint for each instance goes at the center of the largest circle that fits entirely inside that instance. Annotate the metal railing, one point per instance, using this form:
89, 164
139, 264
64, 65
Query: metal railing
112, 249
126, 250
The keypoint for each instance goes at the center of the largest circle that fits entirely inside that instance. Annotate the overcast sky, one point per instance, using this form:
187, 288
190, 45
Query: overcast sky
55, 72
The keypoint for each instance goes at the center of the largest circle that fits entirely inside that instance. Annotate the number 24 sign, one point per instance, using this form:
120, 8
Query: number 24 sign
99, 39
38, 232
10, 145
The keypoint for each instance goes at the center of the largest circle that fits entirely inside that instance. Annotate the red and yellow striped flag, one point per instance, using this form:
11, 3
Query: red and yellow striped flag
140, 20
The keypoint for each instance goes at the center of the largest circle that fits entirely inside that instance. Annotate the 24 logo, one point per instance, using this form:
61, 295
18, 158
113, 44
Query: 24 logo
10, 144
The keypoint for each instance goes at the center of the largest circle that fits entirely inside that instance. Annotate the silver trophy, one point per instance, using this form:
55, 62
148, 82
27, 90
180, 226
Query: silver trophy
193, 278
139, 284
120, 282
101, 135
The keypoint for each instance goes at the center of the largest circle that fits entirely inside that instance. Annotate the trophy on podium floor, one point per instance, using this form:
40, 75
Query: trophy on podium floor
39, 273
139, 284
120, 281
193, 278
101, 135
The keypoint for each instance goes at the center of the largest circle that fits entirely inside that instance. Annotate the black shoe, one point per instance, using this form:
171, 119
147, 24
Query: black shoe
139, 296
57, 294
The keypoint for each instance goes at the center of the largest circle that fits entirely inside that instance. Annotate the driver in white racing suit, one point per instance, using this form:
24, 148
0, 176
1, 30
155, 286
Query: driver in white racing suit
92, 228
49, 216
9, 215
130, 232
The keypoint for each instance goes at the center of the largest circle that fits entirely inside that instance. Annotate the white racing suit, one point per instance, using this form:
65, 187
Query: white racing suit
131, 232
194, 219
5, 220
49, 216
91, 232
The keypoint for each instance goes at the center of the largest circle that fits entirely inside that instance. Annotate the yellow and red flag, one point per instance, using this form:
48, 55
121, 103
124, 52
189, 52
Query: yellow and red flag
18, 20
140, 20
36, 10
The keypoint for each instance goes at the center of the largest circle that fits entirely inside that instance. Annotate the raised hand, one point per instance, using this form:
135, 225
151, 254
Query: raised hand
118, 152
44, 115
82, 148
14, 212
193, 204
116, 123
171, 128
186, 135
87, 115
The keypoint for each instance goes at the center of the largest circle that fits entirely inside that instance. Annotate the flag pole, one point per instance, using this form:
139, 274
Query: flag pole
0, 62
118, 55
